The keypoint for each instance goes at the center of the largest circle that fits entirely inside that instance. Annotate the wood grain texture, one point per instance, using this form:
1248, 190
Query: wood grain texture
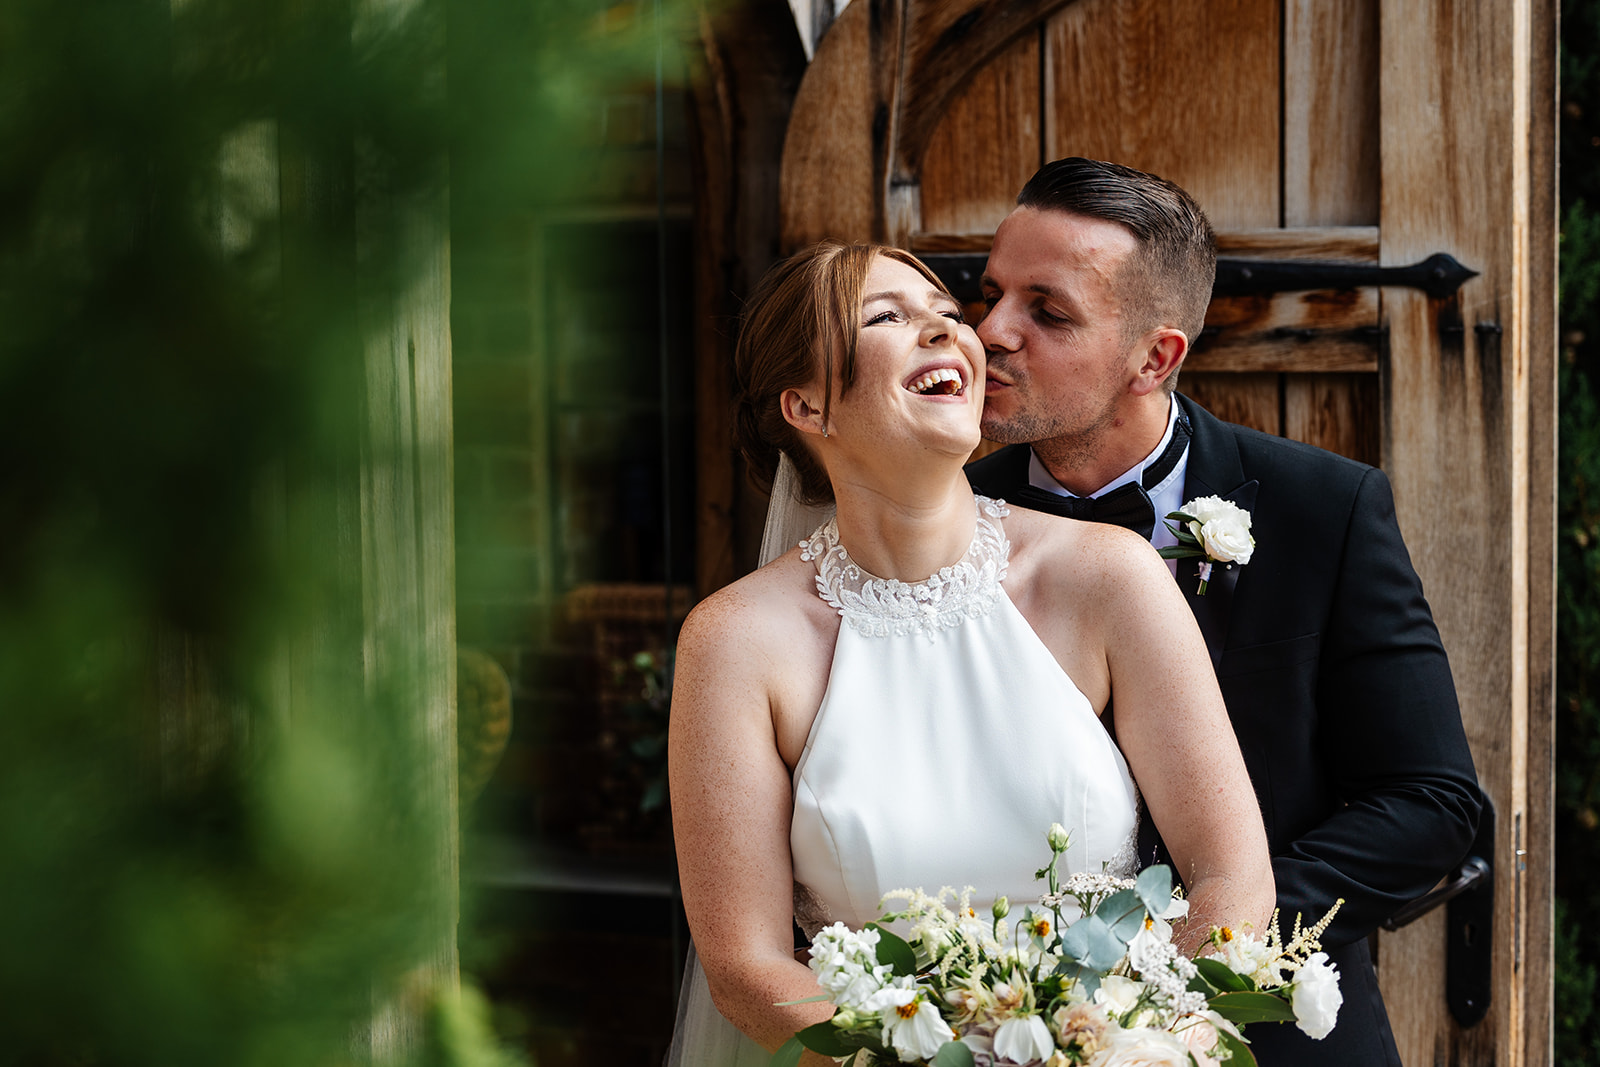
826, 183
1454, 176
1187, 91
946, 42
1330, 112
1247, 399
1542, 331
1339, 412
1323, 330
985, 147
743, 91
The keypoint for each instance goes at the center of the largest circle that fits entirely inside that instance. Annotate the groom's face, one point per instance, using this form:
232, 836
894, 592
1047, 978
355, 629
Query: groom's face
1056, 332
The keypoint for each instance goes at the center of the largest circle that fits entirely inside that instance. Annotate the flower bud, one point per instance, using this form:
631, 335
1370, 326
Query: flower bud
844, 1018
1002, 907
1057, 837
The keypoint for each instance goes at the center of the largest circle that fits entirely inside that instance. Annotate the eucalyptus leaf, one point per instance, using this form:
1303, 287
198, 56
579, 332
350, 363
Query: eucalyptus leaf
952, 1054
1124, 912
1242, 1009
1223, 979
1091, 942
1087, 978
827, 1039
895, 951
788, 1054
1154, 886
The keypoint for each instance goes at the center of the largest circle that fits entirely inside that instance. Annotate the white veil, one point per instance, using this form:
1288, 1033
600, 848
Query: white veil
702, 1037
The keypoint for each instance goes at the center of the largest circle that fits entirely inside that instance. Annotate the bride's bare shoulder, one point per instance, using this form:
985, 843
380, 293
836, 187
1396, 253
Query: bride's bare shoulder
763, 611
1064, 553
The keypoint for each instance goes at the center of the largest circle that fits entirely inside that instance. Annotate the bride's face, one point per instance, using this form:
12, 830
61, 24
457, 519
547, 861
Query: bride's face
919, 369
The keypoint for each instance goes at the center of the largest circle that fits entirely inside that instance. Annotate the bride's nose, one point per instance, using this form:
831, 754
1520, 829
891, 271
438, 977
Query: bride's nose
936, 329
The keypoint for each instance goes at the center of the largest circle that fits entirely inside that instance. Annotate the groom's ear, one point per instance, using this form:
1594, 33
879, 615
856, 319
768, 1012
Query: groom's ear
801, 411
1164, 350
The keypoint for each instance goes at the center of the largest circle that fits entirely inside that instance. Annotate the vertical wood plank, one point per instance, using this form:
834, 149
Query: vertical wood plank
1543, 345
1249, 399
826, 187
1338, 412
986, 146
1454, 178
1187, 91
1330, 112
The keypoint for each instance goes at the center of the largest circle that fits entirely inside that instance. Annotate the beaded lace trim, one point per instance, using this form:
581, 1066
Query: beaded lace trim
881, 607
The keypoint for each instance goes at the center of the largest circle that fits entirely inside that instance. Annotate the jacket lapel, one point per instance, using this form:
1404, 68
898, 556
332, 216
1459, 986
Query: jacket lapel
1213, 470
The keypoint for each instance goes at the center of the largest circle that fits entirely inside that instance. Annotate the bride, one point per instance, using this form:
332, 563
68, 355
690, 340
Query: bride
912, 694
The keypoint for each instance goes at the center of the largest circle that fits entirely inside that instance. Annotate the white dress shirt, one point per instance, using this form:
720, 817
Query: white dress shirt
1167, 496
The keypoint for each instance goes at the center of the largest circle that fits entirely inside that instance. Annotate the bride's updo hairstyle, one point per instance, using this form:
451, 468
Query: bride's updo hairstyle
803, 318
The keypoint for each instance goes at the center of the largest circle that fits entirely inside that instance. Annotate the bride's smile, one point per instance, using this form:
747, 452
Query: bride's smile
916, 363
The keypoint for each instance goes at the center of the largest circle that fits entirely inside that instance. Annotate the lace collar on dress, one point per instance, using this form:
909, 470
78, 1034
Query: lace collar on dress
881, 607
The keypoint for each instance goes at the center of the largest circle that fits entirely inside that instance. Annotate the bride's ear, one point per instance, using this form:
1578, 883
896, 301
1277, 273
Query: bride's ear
802, 412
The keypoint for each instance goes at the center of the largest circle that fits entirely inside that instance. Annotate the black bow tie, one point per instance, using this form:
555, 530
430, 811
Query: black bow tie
1127, 505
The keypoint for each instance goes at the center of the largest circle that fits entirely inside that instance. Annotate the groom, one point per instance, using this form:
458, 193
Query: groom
1324, 647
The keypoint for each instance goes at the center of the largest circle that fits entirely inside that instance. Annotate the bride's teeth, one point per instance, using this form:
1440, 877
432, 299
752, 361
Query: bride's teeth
935, 378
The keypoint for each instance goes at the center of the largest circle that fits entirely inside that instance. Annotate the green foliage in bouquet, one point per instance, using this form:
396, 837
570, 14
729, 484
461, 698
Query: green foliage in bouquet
1057, 992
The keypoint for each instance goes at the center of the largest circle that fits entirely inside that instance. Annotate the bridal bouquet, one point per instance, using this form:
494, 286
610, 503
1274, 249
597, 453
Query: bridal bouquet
1108, 989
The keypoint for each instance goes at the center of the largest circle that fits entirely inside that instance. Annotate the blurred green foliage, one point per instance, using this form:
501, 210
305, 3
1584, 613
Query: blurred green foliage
215, 842
1577, 1024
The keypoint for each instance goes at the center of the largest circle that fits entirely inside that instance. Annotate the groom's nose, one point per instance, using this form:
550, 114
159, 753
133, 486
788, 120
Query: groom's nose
997, 331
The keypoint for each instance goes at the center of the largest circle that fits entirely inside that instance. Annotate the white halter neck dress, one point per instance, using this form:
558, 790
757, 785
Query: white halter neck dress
949, 739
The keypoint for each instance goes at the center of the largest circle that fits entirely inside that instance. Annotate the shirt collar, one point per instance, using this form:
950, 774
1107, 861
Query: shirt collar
1041, 478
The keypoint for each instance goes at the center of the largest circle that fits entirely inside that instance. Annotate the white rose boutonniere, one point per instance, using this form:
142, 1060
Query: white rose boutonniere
1214, 531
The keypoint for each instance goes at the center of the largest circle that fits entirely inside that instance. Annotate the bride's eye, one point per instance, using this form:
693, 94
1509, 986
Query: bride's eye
882, 317
955, 315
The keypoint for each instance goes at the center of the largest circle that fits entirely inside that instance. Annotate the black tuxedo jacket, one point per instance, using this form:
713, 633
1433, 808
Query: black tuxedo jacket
1340, 695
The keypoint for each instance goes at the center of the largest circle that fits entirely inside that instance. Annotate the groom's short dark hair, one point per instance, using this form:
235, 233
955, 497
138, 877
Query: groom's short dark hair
1171, 275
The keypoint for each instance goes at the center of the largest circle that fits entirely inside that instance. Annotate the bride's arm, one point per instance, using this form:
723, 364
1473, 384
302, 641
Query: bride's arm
731, 807
1174, 730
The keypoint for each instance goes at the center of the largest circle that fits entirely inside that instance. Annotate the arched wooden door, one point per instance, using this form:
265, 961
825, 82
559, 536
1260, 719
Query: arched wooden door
1353, 132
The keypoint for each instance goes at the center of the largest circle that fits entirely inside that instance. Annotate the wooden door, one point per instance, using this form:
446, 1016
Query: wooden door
1374, 132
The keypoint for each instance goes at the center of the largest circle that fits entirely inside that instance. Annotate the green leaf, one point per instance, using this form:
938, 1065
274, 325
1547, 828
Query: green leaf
1091, 942
1088, 979
788, 1054
1124, 912
893, 950
1241, 1009
952, 1054
827, 1039
819, 998
1237, 1048
1181, 552
1154, 887
1222, 977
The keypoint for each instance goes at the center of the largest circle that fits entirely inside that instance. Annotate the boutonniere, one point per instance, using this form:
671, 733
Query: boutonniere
1213, 530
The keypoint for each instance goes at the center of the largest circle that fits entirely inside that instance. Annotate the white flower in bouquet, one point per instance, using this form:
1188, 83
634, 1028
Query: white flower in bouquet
912, 1025
1248, 955
1144, 1048
1084, 1026
1199, 1033
846, 965
1119, 996
1222, 527
1023, 1039
1315, 996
